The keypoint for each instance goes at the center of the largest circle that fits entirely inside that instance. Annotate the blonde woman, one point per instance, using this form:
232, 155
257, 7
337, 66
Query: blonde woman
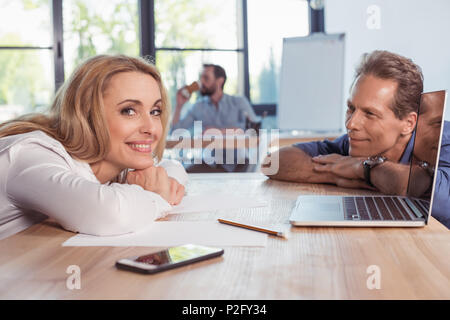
73, 165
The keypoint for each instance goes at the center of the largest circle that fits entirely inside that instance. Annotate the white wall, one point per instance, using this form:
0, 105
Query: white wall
417, 29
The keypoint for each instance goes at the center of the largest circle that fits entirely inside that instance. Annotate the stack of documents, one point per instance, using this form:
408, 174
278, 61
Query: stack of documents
208, 203
173, 233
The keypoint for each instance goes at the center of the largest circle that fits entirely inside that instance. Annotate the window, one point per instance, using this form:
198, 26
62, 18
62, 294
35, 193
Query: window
196, 24
189, 33
268, 24
26, 57
182, 67
244, 36
99, 27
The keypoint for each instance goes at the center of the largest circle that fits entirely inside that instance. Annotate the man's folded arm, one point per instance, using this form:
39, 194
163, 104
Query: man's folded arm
390, 178
296, 165
295, 162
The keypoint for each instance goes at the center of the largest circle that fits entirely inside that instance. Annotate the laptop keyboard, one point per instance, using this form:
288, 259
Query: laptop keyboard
382, 208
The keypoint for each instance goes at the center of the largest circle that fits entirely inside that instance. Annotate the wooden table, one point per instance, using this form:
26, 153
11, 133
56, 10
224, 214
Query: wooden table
244, 141
314, 263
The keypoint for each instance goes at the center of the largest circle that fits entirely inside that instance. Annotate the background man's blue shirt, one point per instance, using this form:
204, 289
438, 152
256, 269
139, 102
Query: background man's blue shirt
231, 113
441, 199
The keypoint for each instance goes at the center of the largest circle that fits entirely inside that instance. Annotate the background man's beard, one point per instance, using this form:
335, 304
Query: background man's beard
207, 91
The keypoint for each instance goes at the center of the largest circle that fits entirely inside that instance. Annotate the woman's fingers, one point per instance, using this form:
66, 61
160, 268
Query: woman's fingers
180, 194
173, 192
177, 191
132, 178
162, 184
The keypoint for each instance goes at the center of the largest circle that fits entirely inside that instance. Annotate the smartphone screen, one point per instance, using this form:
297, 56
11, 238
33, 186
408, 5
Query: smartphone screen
169, 258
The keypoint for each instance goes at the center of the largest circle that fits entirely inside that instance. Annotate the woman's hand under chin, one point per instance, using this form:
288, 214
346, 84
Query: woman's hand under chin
177, 191
155, 179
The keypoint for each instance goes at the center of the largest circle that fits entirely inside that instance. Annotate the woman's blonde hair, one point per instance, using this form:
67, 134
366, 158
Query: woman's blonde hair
76, 117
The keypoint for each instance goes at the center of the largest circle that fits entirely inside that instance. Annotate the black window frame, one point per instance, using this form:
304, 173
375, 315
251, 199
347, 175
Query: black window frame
148, 38
58, 57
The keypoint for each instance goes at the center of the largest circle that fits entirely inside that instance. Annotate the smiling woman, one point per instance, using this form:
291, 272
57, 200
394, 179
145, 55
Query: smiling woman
134, 112
74, 164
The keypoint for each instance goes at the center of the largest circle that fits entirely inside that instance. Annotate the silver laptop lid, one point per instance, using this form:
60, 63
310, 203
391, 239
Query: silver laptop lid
426, 150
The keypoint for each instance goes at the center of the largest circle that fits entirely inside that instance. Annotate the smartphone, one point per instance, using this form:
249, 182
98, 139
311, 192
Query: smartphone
168, 259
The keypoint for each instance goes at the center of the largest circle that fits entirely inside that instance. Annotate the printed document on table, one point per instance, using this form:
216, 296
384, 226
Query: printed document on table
206, 203
174, 233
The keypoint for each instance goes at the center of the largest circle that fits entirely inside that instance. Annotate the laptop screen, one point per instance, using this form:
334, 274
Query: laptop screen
425, 155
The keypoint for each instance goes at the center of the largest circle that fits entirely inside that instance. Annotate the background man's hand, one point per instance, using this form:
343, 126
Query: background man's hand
181, 99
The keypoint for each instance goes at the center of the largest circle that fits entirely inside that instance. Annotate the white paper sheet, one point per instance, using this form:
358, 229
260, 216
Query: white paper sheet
173, 233
212, 202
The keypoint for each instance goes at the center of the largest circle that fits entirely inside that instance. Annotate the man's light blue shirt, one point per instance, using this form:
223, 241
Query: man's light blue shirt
232, 112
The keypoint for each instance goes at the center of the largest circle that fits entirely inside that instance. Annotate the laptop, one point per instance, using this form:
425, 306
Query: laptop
410, 210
